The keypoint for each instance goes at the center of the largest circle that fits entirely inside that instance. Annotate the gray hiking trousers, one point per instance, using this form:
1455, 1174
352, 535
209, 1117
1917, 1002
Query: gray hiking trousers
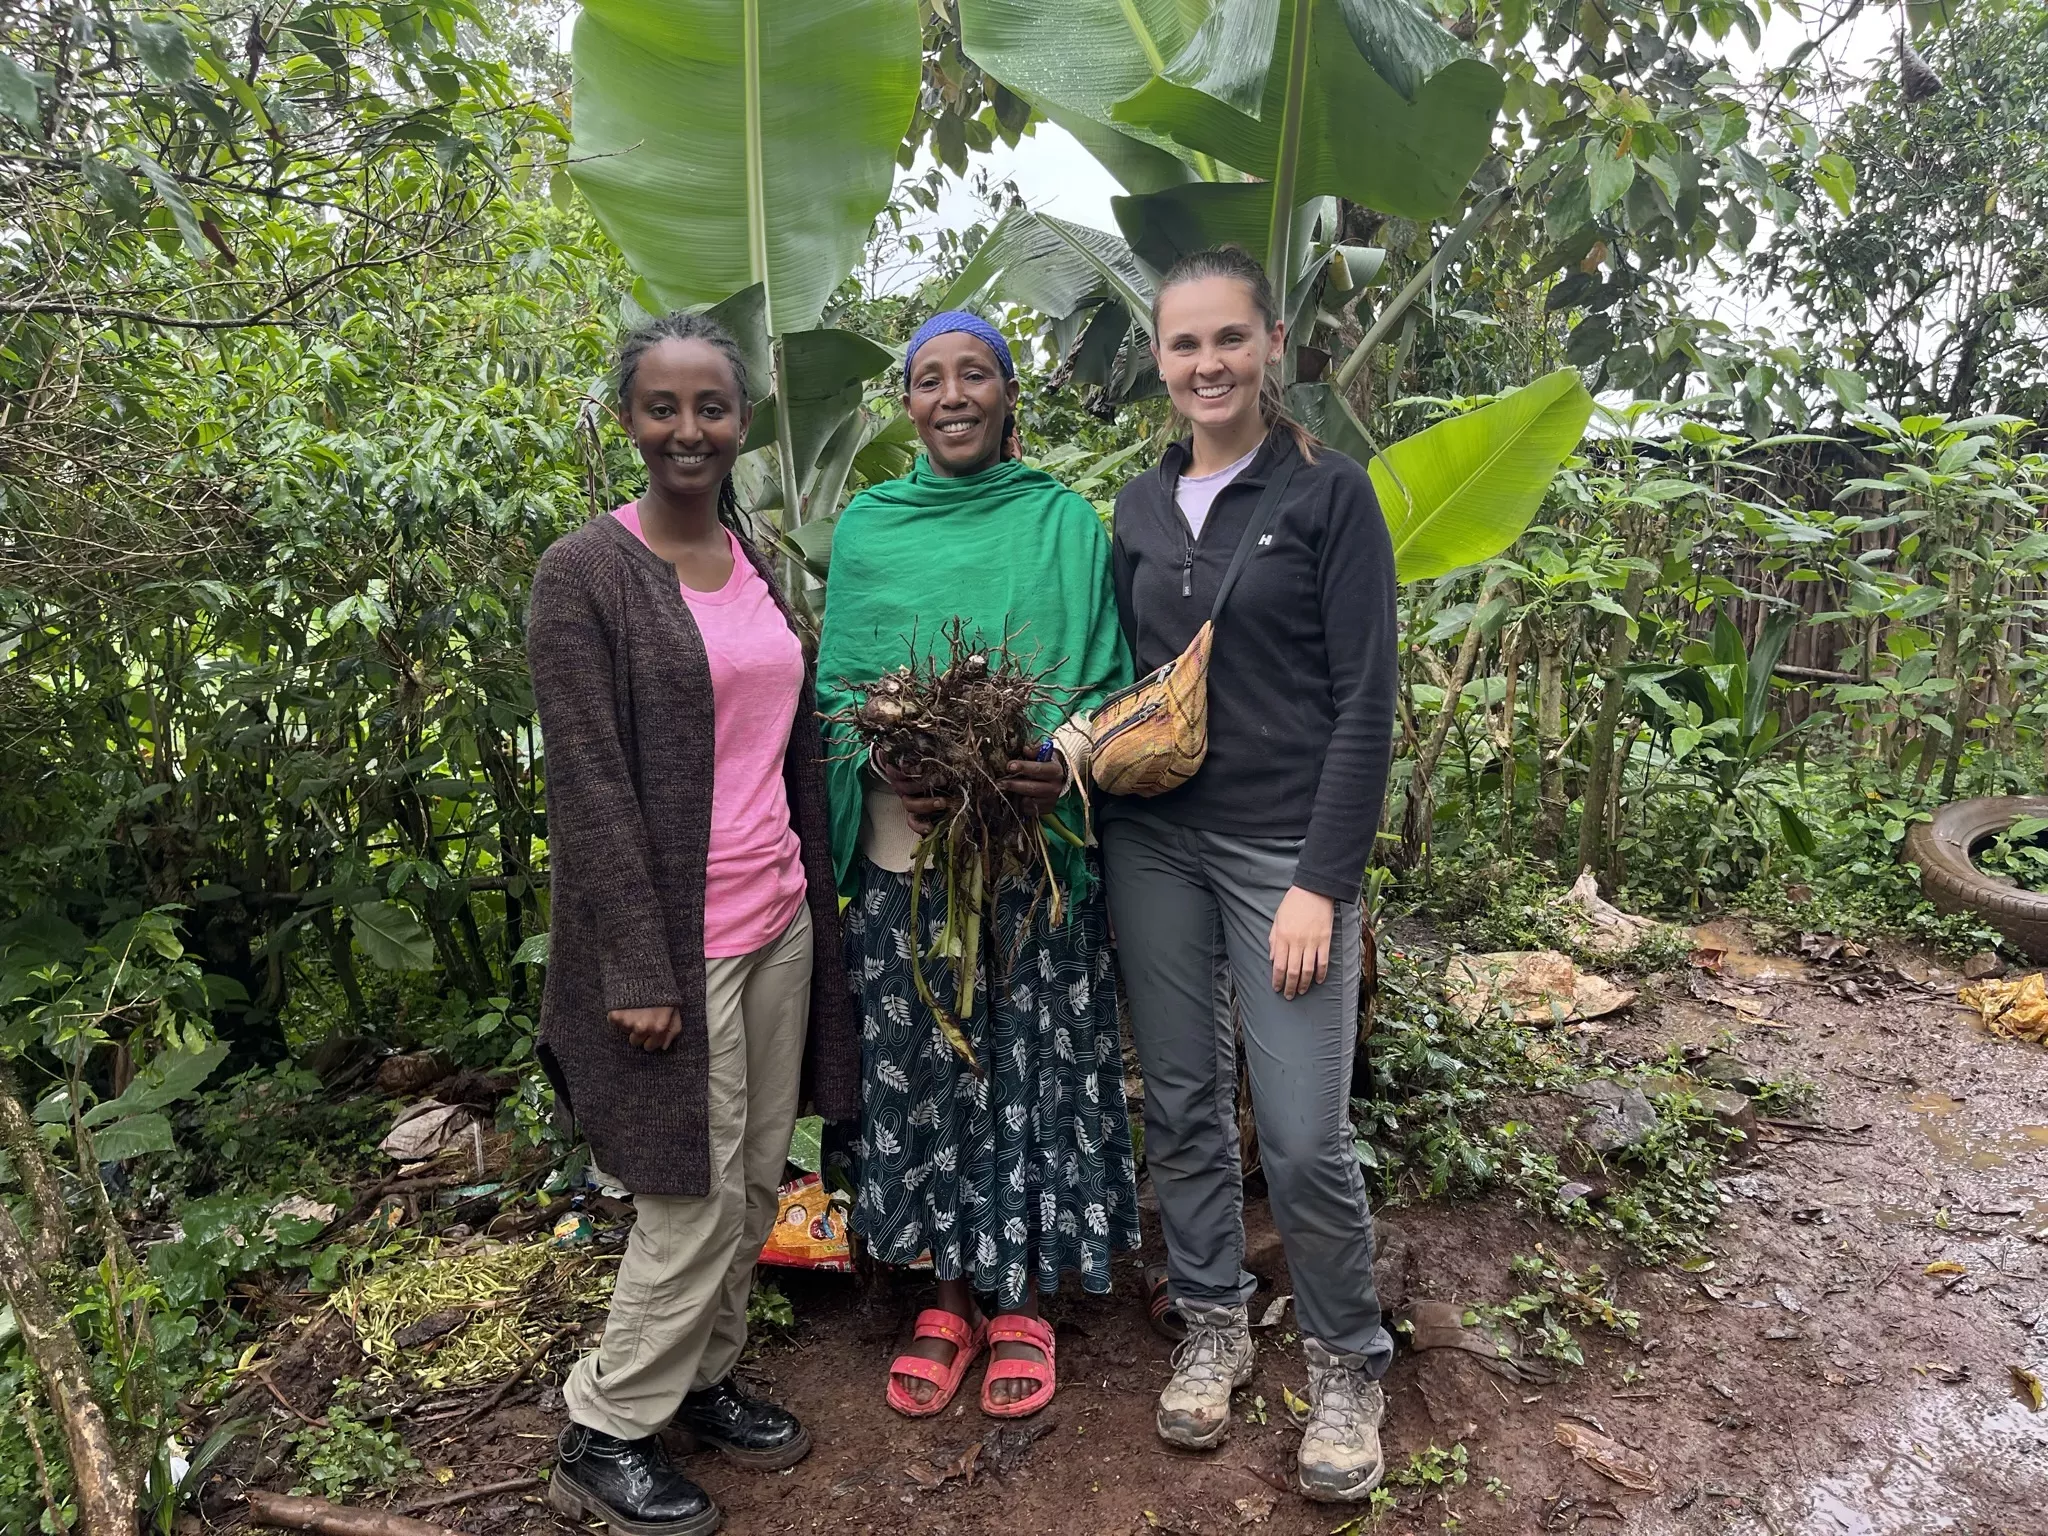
1190, 907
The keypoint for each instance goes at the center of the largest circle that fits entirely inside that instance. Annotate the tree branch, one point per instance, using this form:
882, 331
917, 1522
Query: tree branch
106, 1497
85, 310
50, 1221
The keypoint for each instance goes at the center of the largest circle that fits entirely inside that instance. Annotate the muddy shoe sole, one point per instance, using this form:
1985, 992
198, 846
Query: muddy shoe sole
780, 1459
565, 1498
1208, 1440
1325, 1494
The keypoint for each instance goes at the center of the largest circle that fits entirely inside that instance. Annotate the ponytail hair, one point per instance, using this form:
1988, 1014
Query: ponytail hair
649, 334
1235, 263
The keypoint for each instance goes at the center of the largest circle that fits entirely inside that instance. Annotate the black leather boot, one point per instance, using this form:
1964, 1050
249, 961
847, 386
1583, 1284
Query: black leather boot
749, 1430
629, 1485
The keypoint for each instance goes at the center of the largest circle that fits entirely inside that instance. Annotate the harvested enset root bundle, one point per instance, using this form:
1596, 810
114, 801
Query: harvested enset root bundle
953, 722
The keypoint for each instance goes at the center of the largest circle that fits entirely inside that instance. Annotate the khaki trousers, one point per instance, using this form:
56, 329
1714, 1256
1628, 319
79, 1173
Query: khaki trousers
679, 1311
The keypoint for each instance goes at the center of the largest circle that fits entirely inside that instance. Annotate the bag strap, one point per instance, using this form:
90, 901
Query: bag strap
1262, 518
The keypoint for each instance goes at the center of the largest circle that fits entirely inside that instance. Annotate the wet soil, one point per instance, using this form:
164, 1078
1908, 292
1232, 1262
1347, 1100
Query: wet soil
1817, 1378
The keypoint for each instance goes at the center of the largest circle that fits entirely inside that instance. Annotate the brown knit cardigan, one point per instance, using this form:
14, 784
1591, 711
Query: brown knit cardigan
624, 690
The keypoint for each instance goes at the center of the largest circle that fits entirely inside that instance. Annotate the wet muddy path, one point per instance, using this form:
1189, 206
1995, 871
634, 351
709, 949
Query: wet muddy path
1839, 1360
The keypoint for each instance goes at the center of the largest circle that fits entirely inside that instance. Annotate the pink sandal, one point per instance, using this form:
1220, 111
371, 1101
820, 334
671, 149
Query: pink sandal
968, 1340
1015, 1328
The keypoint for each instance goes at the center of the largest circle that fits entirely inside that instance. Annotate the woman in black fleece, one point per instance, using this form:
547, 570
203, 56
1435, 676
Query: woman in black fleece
1256, 861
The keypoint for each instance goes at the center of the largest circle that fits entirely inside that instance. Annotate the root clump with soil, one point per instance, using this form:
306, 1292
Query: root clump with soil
952, 724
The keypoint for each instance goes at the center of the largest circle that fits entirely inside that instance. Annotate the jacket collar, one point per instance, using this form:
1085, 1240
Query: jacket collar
1174, 462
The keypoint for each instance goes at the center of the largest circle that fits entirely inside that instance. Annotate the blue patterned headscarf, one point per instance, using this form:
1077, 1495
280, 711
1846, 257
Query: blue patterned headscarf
948, 321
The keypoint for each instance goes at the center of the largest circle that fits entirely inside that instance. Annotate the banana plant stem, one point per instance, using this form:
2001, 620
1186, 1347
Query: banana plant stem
1384, 322
1279, 248
785, 459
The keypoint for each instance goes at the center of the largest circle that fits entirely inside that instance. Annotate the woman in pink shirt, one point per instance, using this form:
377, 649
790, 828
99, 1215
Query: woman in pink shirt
695, 973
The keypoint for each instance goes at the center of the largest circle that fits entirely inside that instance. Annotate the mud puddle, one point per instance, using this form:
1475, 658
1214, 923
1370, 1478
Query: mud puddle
1945, 1440
1725, 948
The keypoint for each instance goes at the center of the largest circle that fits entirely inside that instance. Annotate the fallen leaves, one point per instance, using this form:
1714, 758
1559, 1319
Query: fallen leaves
1537, 986
996, 1454
1448, 1325
2026, 1386
1610, 1458
1829, 947
1942, 1371
942, 1468
1743, 1002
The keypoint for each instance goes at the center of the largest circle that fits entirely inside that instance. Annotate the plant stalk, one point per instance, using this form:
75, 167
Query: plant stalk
1511, 670
106, 1489
1416, 817
1550, 796
1385, 321
1280, 242
1595, 808
785, 460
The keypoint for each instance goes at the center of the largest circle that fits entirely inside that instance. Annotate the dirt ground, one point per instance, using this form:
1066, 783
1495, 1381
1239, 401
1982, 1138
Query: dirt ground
1816, 1379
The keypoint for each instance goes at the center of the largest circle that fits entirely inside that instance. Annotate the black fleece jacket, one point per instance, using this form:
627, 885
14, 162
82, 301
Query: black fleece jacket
1303, 673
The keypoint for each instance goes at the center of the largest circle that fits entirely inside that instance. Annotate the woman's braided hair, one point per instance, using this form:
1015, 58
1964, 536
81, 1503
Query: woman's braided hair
649, 334
1236, 264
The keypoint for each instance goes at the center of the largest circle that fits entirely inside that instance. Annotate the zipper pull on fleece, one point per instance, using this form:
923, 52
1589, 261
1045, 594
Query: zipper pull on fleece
1187, 574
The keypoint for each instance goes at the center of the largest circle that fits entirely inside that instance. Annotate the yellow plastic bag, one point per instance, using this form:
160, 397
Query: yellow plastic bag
2017, 1009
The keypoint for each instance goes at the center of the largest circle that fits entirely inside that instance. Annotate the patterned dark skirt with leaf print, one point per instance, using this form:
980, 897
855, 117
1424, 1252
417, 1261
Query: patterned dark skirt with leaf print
1025, 1172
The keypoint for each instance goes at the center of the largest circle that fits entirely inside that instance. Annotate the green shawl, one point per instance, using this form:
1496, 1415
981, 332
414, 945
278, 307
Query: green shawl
1011, 551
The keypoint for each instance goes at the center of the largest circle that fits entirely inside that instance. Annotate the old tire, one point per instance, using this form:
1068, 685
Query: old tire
1942, 848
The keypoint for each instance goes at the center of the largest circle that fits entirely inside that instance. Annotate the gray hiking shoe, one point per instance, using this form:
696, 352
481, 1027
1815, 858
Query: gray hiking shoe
1211, 1363
1340, 1445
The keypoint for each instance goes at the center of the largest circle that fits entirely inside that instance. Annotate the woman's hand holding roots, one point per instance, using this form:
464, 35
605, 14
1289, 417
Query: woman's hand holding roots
1300, 941
652, 1029
925, 809
1036, 787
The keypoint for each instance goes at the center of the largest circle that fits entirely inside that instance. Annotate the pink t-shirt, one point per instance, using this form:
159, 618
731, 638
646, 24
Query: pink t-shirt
754, 878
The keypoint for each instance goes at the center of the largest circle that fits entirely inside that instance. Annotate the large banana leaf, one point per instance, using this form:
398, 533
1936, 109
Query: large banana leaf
745, 318
1165, 226
1463, 490
1231, 54
1405, 45
1360, 137
1058, 268
1024, 261
1322, 410
1080, 56
825, 376
724, 143
1054, 267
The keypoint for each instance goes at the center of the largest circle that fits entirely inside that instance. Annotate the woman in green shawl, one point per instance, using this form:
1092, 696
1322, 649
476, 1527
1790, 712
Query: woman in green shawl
1009, 1177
